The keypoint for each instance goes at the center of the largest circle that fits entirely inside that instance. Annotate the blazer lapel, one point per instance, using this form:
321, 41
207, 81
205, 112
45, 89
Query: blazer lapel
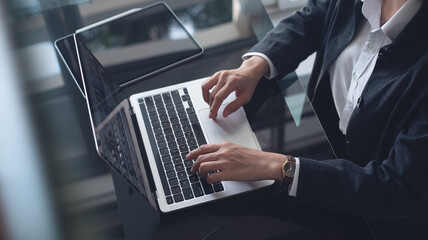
342, 31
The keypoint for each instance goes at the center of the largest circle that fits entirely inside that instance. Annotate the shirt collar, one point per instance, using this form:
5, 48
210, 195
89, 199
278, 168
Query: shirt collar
372, 10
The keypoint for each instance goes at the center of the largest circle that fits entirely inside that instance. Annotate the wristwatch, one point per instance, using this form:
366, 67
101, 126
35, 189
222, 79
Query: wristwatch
288, 169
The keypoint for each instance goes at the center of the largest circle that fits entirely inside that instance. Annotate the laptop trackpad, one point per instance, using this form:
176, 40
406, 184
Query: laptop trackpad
234, 128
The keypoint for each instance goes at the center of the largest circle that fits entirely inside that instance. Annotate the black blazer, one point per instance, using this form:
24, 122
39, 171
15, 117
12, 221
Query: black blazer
382, 170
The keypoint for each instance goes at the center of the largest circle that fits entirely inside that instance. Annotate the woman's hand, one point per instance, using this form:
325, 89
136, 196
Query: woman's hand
235, 163
243, 81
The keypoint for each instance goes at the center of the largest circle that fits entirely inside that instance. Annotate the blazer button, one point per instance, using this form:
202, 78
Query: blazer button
360, 102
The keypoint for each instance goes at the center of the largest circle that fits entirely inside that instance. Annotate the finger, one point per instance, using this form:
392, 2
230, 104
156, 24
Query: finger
215, 90
219, 98
208, 84
217, 177
234, 105
204, 149
207, 167
209, 157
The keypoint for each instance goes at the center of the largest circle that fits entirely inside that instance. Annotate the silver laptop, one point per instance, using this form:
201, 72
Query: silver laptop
146, 137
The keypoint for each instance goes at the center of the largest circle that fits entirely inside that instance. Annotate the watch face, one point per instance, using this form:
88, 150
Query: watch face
289, 169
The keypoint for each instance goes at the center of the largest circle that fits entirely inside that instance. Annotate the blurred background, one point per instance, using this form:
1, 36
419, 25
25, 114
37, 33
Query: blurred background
52, 183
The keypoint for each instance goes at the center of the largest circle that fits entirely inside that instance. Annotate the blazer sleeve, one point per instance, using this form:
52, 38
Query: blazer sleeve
390, 190
295, 37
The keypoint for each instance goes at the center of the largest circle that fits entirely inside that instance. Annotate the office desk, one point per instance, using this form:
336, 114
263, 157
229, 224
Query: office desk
279, 114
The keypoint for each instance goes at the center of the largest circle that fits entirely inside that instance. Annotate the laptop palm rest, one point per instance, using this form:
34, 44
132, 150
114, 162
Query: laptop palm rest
234, 128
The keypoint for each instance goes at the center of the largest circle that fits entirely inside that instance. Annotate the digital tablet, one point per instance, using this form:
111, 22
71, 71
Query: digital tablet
66, 49
139, 43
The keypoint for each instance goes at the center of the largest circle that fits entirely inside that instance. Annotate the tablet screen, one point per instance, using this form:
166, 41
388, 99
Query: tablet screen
140, 44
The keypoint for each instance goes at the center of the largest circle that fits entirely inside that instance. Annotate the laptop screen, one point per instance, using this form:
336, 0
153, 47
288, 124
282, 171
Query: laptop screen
139, 44
111, 120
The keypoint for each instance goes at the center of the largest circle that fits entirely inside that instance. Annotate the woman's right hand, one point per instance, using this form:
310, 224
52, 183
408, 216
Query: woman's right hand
243, 81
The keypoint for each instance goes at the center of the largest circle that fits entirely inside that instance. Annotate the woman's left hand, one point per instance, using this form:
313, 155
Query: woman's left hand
235, 163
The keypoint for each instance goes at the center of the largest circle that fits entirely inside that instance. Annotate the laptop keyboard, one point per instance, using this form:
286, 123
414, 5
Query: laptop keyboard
176, 130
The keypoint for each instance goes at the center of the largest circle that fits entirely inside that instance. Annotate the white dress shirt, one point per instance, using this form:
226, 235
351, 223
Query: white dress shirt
351, 71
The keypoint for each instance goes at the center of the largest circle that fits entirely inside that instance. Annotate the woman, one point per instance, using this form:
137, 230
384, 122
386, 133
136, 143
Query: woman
369, 88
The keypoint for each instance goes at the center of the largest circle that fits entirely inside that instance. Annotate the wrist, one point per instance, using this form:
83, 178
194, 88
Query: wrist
256, 66
275, 166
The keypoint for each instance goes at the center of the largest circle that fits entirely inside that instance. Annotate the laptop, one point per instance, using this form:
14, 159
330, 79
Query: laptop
145, 137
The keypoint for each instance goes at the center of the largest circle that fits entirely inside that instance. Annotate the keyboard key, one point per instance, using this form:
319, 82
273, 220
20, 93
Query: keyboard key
164, 151
165, 124
170, 106
183, 148
173, 181
161, 110
185, 91
170, 173
190, 103
174, 152
179, 167
185, 97
194, 178
188, 194
157, 129
189, 135
178, 198
157, 98
174, 120
182, 175
166, 158
191, 141
161, 143
188, 171
169, 200
193, 118
149, 101
153, 116
181, 140
218, 187
179, 107
159, 136
190, 110
179, 134
207, 187
155, 122
151, 109
164, 117
168, 166
167, 131
176, 127
170, 138
182, 114
167, 97
172, 144
197, 189
176, 96
199, 134
175, 189
176, 160
187, 128
184, 183
184, 121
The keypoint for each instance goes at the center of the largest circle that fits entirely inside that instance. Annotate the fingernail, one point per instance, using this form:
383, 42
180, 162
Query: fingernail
191, 170
211, 115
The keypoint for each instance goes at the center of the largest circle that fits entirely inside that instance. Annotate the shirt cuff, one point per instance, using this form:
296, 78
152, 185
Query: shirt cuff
273, 72
292, 190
